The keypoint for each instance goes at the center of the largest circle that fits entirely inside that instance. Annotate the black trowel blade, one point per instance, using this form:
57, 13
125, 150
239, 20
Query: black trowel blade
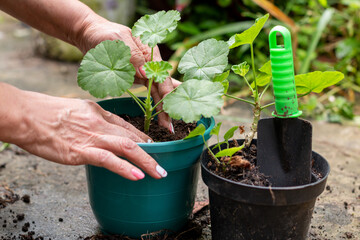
284, 150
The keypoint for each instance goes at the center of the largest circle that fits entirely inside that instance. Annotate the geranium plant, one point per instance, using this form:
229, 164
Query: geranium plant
305, 84
106, 71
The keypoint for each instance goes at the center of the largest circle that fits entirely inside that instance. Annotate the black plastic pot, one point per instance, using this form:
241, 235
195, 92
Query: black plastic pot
240, 211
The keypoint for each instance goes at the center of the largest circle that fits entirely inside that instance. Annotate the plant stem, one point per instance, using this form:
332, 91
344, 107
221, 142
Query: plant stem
152, 117
157, 104
303, 95
148, 108
212, 154
268, 105
262, 93
137, 100
218, 141
247, 82
240, 99
257, 109
152, 54
256, 117
254, 71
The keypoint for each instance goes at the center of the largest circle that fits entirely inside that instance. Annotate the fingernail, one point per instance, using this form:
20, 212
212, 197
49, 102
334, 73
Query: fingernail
161, 171
171, 128
149, 141
137, 173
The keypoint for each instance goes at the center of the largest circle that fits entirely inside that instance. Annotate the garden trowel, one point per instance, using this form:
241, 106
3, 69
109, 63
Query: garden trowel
284, 142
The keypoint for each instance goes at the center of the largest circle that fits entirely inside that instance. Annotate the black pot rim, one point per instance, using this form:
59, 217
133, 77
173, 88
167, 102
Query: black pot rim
261, 195
267, 188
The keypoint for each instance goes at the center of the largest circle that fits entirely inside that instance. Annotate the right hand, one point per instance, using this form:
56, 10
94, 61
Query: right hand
98, 29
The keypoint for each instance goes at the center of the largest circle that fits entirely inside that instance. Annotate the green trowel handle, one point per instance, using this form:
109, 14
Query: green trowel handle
282, 65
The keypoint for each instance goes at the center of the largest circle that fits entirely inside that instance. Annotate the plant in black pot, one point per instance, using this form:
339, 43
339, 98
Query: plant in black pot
266, 188
132, 208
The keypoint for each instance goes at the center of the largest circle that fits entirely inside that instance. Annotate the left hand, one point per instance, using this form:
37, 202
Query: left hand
100, 30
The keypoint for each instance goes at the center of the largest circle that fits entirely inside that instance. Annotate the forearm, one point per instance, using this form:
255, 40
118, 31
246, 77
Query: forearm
64, 19
12, 122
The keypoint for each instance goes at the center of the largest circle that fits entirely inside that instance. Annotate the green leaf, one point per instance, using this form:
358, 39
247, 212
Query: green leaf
205, 60
157, 70
265, 75
217, 145
194, 99
262, 79
224, 3
229, 152
106, 70
222, 78
154, 28
323, 3
266, 68
4, 146
216, 129
249, 35
316, 81
199, 130
230, 133
241, 69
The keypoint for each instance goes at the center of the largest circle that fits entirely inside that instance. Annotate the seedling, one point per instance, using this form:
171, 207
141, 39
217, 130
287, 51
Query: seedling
305, 84
106, 71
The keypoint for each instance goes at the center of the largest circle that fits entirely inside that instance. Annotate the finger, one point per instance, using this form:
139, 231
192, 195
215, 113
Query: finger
175, 82
135, 134
163, 118
131, 151
103, 158
146, 50
165, 88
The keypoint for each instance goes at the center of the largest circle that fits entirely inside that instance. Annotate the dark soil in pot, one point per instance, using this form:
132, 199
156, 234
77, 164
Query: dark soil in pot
159, 133
242, 167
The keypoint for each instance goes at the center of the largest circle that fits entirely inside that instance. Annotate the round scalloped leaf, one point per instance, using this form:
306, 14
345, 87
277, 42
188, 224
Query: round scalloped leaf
194, 99
106, 70
205, 60
154, 28
157, 70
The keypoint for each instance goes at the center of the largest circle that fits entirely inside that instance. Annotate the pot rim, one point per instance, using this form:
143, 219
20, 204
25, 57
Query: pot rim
266, 188
324, 178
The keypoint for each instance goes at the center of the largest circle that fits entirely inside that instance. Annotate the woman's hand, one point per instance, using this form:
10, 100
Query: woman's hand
75, 132
98, 30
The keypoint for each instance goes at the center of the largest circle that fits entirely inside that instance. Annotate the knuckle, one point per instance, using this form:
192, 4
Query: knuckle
72, 156
120, 166
127, 144
103, 157
147, 162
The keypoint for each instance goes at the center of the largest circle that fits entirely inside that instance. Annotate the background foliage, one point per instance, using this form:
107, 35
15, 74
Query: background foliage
324, 32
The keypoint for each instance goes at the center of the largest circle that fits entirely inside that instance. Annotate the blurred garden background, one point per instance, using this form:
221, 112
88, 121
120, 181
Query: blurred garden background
325, 36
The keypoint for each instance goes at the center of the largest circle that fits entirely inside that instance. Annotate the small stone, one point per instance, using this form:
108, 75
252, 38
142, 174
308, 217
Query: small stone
20, 217
25, 198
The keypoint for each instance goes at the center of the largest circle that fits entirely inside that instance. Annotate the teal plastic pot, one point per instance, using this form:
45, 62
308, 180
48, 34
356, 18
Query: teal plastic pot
133, 208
